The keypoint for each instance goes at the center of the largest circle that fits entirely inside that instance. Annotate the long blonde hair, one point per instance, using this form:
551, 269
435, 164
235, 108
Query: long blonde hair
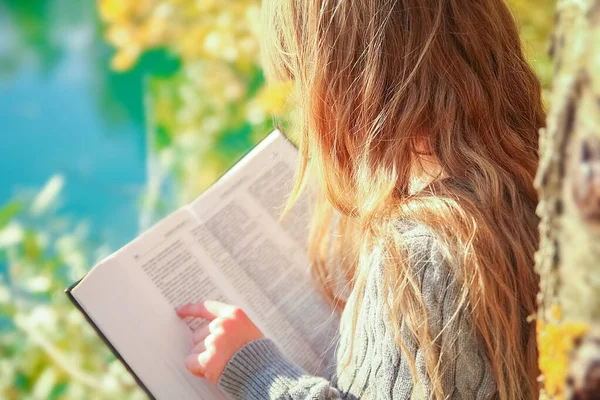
374, 77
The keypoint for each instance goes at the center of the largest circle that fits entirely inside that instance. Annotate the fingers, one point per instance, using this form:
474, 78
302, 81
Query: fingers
193, 365
197, 364
198, 348
197, 310
229, 329
199, 335
209, 310
191, 362
219, 309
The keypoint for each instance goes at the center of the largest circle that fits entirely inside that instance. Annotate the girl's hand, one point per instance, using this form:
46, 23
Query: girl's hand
214, 345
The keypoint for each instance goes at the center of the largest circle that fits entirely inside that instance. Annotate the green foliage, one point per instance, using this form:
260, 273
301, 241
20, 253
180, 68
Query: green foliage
8, 212
48, 350
536, 22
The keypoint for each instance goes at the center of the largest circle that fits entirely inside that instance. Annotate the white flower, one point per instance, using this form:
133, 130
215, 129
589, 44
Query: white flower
11, 235
48, 195
212, 43
38, 284
66, 244
42, 316
110, 384
255, 115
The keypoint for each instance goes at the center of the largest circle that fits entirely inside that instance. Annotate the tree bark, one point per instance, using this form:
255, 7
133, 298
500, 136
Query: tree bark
568, 182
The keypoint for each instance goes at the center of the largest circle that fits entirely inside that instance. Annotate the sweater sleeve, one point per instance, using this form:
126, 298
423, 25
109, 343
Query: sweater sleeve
260, 371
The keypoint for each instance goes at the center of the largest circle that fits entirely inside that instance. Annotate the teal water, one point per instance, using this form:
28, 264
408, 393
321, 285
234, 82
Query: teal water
62, 111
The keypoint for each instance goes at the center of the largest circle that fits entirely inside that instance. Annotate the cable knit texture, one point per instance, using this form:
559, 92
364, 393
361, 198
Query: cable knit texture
377, 367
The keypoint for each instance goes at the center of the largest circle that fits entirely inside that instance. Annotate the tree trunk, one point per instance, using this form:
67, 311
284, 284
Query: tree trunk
568, 181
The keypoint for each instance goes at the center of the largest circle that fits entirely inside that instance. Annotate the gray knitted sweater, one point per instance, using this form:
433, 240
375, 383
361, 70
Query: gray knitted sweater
377, 368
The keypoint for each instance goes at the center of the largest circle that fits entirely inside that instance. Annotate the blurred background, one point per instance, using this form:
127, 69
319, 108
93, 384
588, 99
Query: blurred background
112, 114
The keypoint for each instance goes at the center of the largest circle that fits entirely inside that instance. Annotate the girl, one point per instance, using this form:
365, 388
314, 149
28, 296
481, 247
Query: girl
420, 125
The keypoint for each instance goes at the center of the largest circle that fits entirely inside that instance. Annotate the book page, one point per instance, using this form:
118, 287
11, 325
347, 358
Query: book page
262, 261
131, 297
228, 245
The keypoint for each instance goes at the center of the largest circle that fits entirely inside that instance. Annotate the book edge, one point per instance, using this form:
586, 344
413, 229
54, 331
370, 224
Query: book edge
107, 342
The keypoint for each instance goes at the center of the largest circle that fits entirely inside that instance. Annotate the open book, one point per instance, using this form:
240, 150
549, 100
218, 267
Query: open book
227, 245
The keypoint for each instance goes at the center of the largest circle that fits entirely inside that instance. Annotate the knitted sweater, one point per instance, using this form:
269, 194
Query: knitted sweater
377, 368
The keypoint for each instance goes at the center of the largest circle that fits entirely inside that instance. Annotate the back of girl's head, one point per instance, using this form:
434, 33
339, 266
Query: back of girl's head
374, 78
373, 75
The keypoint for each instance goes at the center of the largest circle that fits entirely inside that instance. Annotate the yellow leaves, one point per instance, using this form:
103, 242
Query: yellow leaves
274, 97
271, 100
152, 32
119, 35
131, 40
114, 10
125, 59
219, 89
190, 46
555, 312
133, 27
119, 11
206, 5
555, 342
194, 30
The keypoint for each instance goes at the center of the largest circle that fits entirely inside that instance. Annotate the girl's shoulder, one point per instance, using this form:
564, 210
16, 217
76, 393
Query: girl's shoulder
426, 255
419, 238
414, 229
422, 254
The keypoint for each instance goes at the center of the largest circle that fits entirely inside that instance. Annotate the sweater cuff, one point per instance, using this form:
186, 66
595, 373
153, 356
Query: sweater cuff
258, 370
